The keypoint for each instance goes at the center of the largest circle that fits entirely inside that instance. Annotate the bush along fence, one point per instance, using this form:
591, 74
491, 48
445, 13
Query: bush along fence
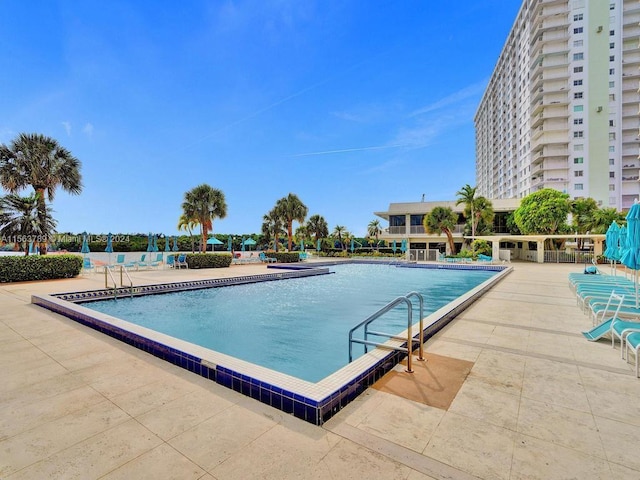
208, 260
35, 267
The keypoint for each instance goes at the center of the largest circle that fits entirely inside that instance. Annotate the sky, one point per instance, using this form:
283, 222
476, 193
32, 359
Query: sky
351, 104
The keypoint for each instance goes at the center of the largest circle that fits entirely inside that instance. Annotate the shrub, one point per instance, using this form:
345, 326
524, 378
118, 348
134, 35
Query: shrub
208, 260
285, 257
35, 267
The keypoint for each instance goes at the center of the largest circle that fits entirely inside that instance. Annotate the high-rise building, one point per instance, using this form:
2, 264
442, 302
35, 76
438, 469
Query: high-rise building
561, 109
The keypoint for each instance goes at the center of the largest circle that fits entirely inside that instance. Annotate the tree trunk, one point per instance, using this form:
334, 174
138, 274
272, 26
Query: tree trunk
452, 245
42, 219
289, 234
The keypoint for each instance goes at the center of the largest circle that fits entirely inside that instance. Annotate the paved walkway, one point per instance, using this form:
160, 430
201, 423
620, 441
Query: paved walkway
540, 402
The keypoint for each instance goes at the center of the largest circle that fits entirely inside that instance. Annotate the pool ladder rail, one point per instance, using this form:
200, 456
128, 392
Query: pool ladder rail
123, 272
409, 338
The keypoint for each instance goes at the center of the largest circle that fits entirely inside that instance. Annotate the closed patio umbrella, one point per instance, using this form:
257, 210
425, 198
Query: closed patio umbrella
149, 243
393, 247
242, 245
612, 250
167, 247
319, 245
109, 248
175, 244
403, 245
631, 255
229, 243
353, 246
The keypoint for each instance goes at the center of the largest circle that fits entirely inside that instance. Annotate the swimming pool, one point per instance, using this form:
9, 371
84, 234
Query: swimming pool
300, 326
313, 402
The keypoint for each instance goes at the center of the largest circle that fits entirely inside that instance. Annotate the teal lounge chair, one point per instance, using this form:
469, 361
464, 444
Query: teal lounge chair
88, 265
265, 259
120, 262
633, 344
605, 327
170, 261
181, 261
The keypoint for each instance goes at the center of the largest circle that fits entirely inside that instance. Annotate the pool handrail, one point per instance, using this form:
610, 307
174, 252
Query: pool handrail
410, 340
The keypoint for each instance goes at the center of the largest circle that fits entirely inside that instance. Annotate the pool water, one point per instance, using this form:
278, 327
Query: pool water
296, 326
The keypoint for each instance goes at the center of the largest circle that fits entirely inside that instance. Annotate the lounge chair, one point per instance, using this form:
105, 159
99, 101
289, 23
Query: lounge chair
632, 341
605, 326
120, 262
170, 261
158, 261
485, 258
142, 263
88, 265
181, 261
265, 259
621, 329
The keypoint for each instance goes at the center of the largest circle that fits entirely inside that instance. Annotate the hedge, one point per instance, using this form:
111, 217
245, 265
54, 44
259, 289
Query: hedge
208, 260
284, 257
36, 267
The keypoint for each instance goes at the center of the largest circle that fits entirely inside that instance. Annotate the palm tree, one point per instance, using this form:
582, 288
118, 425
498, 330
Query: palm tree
374, 230
35, 160
318, 227
339, 232
442, 220
467, 195
272, 227
483, 216
604, 217
20, 220
291, 208
187, 224
202, 205
301, 234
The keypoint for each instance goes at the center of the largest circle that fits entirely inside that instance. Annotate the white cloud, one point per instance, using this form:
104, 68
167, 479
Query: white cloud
456, 97
88, 129
67, 127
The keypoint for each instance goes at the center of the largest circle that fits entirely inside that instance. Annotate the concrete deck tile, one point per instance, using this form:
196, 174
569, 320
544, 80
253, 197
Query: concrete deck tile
472, 446
535, 459
614, 405
484, 403
161, 462
561, 426
621, 441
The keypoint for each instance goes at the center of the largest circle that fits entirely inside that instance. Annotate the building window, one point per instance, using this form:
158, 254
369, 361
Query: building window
577, 160
577, 95
612, 71
578, 173
612, 161
612, 188
612, 135
612, 84
577, 69
577, 121
577, 17
612, 148
579, 147
578, 56
578, 43
577, 82
612, 45
612, 58
612, 97
612, 6
577, 186
578, 30
578, 108
612, 174
579, 134
611, 123
612, 33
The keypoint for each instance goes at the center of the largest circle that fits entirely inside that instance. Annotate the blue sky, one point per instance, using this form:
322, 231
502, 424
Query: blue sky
350, 105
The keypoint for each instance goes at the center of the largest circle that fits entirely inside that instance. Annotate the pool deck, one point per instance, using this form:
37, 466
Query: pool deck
540, 401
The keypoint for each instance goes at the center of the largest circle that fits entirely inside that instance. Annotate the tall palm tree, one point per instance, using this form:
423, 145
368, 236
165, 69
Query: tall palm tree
272, 227
442, 220
20, 220
318, 227
291, 208
339, 232
188, 224
483, 216
373, 230
467, 195
32, 159
203, 204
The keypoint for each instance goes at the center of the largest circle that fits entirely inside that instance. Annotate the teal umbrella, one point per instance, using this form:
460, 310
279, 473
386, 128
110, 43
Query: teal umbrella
319, 245
175, 244
248, 243
612, 237
242, 245
154, 246
213, 241
403, 245
229, 243
622, 241
85, 243
109, 248
30, 248
301, 246
353, 246
149, 243
631, 256
167, 247
394, 246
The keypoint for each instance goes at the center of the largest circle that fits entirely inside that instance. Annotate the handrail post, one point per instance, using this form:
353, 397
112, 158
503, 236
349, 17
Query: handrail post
409, 336
421, 334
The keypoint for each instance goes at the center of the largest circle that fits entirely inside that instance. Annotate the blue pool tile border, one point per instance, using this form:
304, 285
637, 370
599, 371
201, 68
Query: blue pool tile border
313, 410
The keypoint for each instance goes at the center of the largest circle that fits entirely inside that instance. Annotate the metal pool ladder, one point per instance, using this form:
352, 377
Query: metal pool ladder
107, 271
410, 340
